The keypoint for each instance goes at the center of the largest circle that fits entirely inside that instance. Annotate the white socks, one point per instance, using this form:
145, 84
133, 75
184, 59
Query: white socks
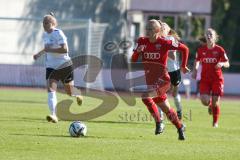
52, 102
161, 113
177, 101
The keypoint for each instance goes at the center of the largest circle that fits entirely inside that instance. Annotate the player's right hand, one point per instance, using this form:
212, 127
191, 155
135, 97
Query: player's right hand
185, 69
140, 48
36, 56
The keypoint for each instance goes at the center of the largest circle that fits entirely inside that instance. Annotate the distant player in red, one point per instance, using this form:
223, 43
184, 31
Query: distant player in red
154, 52
212, 57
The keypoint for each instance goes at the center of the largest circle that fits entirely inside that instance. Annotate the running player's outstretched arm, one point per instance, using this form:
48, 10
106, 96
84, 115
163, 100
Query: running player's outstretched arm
195, 69
196, 63
224, 62
62, 49
37, 55
185, 52
135, 56
137, 51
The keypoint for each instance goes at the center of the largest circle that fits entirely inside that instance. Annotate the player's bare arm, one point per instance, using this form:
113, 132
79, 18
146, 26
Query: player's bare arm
39, 54
62, 49
185, 52
195, 68
223, 64
139, 49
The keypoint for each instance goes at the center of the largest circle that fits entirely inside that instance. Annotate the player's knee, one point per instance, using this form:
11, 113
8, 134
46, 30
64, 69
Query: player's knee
147, 101
174, 94
215, 103
205, 102
51, 89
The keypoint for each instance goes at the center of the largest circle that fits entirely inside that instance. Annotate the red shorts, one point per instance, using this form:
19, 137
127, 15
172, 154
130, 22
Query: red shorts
211, 87
157, 80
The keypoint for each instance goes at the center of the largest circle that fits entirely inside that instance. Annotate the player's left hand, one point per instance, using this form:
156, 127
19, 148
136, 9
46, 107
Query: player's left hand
219, 65
185, 70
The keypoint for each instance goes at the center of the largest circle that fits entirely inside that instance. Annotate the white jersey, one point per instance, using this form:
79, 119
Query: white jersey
173, 58
54, 40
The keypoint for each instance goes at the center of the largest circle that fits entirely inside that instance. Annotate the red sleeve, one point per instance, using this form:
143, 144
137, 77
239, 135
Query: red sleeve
198, 55
223, 55
135, 54
185, 52
182, 48
179, 47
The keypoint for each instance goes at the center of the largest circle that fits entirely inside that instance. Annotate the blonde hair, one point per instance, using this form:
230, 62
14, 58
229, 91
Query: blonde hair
50, 18
155, 23
171, 31
174, 34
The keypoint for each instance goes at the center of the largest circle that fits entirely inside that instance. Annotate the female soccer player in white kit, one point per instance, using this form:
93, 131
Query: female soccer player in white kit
173, 66
58, 64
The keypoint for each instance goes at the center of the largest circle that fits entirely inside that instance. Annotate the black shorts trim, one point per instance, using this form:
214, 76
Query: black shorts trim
175, 77
64, 74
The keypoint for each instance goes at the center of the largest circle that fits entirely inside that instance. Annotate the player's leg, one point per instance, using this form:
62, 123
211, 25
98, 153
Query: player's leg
161, 114
197, 89
52, 100
153, 109
177, 101
171, 114
205, 89
67, 80
215, 110
217, 91
73, 92
207, 101
175, 77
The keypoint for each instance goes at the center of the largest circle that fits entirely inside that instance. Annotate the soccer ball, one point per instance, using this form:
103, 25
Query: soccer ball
77, 129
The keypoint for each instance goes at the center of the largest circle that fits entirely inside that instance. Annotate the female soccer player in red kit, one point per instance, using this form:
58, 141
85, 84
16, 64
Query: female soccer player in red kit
212, 57
154, 50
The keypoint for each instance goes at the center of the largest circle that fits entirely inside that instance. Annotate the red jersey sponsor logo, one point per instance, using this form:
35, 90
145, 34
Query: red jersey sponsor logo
209, 60
149, 55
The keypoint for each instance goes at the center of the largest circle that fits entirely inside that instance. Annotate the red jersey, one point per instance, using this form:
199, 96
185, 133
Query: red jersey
157, 52
209, 58
154, 58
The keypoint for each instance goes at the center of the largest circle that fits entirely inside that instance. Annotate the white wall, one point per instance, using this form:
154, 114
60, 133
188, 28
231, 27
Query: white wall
13, 49
195, 6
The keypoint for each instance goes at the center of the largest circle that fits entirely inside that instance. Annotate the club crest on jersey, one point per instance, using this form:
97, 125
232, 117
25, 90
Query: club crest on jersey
215, 53
158, 46
204, 53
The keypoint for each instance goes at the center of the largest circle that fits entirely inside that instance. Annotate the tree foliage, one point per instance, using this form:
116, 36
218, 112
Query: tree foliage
226, 20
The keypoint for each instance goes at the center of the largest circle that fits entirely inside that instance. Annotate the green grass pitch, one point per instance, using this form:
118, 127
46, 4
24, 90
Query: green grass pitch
125, 133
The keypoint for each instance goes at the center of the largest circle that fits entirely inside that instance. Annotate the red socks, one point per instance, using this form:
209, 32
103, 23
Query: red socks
216, 113
152, 108
172, 116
